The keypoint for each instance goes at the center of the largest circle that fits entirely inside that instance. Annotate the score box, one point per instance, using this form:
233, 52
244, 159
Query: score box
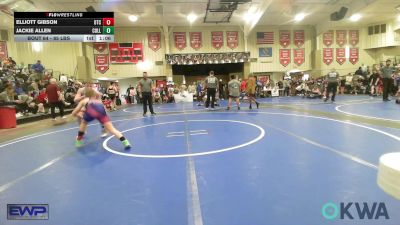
108, 21
108, 30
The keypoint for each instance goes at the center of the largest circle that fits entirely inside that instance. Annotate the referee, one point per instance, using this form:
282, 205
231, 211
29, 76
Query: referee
387, 72
211, 86
332, 79
146, 85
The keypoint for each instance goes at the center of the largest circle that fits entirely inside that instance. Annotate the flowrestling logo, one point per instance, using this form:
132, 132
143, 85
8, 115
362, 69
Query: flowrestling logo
355, 210
27, 212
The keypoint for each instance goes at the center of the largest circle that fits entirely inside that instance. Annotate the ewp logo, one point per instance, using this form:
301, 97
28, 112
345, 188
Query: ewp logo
27, 212
364, 211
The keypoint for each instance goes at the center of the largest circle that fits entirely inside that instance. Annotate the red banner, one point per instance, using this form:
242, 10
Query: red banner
327, 38
154, 40
180, 40
354, 55
354, 37
100, 47
102, 69
195, 40
340, 55
284, 56
217, 39
101, 62
3, 50
298, 56
232, 39
299, 38
341, 37
327, 55
284, 38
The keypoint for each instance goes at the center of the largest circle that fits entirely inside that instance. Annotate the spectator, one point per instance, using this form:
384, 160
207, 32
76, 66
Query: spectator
38, 68
53, 92
112, 92
132, 95
286, 86
221, 89
342, 85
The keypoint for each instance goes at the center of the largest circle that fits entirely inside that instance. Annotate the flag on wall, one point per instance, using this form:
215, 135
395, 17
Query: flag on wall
180, 40
284, 38
327, 55
341, 37
354, 55
195, 40
327, 38
265, 52
232, 39
340, 55
299, 38
299, 56
265, 38
154, 40
3, 50
284, 57
217, 39
353, 37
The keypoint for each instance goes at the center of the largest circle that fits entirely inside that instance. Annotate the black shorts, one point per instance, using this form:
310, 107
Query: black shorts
111, 96
234, 97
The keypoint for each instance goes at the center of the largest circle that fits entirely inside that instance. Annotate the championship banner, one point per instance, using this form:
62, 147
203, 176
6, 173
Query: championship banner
298, 56
3, 50
340, 55
101, 62
180, 40
299, 38
284, 57
100, 47
341, 37
327, 38
232, 39
353, 37
154, 40
327, 55
354, 55
217, 39
284, 38
101, 59
195, 40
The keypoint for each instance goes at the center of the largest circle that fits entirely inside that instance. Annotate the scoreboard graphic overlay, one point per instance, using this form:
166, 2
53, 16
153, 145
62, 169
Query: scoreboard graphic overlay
64, 26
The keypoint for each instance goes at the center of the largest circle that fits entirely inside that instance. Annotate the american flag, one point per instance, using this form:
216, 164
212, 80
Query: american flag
265, 37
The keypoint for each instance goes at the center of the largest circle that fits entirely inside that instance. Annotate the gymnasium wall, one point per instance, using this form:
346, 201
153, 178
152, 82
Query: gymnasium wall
63, 56
366, 56
206, 37
272, 64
